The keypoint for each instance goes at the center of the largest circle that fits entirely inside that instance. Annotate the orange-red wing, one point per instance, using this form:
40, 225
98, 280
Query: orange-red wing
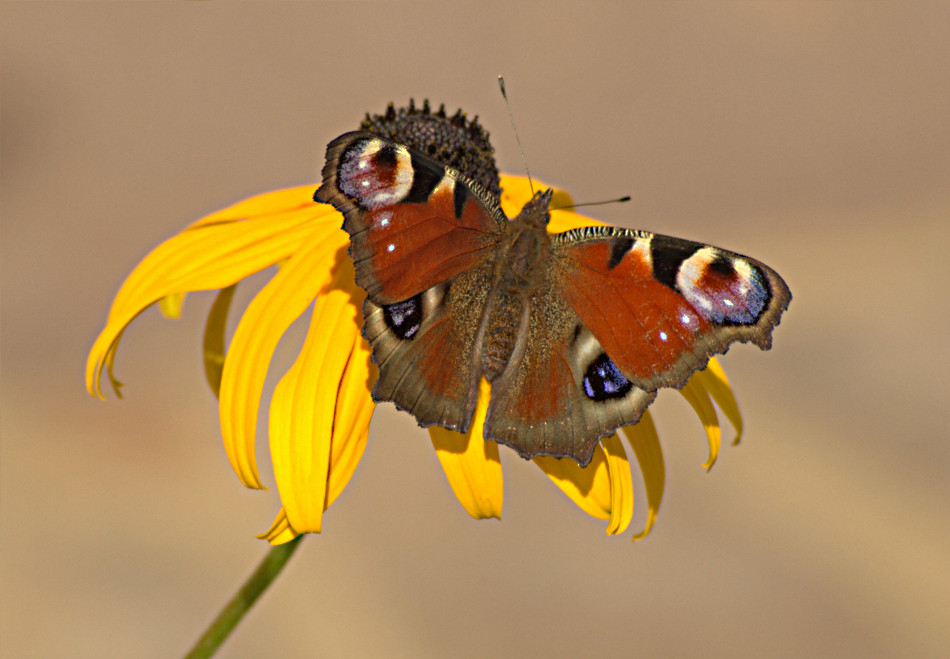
661, 306
413, 223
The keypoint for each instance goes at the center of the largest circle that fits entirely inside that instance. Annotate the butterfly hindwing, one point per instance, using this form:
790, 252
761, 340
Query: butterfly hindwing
662, 306
413, 223
427, 349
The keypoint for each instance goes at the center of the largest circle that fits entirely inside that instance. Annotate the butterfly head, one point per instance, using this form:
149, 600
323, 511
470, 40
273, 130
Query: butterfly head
535, 213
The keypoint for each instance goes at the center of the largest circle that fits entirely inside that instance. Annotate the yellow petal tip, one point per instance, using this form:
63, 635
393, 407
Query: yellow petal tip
280, 531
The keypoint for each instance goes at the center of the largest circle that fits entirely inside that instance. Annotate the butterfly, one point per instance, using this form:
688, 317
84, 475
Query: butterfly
574, 331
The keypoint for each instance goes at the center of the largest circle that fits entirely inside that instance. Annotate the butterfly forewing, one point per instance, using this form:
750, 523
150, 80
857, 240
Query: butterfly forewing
662, 306
413, 223
423, 239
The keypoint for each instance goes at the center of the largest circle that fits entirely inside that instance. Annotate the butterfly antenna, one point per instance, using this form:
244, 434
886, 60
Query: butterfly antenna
511, 117
594, 203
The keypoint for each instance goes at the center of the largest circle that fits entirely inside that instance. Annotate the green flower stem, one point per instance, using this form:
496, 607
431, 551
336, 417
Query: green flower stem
243, 600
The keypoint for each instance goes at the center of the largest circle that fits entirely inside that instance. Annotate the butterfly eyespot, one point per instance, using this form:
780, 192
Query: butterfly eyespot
390, 247
725, 290
387, 156
374, 174
404, 318
722, 266
604, 381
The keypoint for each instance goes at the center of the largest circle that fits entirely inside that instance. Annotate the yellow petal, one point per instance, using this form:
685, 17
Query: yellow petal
567, 220
354, 407
697, 396
646, 446
272, 310
471, 463
212, 257
588, 487
714, 379
214, 339
218, 255
621, 485
602, 489
170, 305
516, 191
302, 411
279, 532
266, 204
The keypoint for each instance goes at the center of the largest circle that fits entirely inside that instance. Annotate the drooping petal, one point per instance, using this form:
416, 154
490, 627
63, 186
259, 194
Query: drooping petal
351, 427
214, 256
265, 205
217, 255
215, 337
602, 489
646, 446
279, 532
471, 462
303, 408
714, 380
354, 407
171, 305
272, 310
698, 398
588, 487
301, 420
621, 485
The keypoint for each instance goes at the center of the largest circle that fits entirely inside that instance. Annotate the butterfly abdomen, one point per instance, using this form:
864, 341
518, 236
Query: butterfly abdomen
519, 272
501, 331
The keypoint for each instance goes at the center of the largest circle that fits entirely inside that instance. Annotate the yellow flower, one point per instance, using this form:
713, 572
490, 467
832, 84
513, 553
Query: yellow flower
320, 410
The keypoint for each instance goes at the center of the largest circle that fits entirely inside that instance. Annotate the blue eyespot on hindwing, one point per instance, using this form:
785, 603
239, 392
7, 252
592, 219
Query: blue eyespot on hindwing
404, 318
604, 381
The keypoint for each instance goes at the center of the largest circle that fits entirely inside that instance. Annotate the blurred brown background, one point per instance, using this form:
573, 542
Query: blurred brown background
814, 136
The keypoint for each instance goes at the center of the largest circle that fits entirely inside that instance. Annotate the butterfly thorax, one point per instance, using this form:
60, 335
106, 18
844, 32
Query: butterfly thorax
520, 270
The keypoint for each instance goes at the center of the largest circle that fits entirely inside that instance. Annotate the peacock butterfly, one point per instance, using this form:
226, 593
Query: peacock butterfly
575, 331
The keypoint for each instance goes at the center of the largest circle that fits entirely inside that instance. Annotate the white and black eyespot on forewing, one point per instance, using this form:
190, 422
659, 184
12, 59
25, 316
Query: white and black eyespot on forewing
725, 289
375, 173
735, 291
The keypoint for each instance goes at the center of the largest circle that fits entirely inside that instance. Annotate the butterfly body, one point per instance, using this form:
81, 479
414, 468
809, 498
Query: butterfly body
575, 331
520, 271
